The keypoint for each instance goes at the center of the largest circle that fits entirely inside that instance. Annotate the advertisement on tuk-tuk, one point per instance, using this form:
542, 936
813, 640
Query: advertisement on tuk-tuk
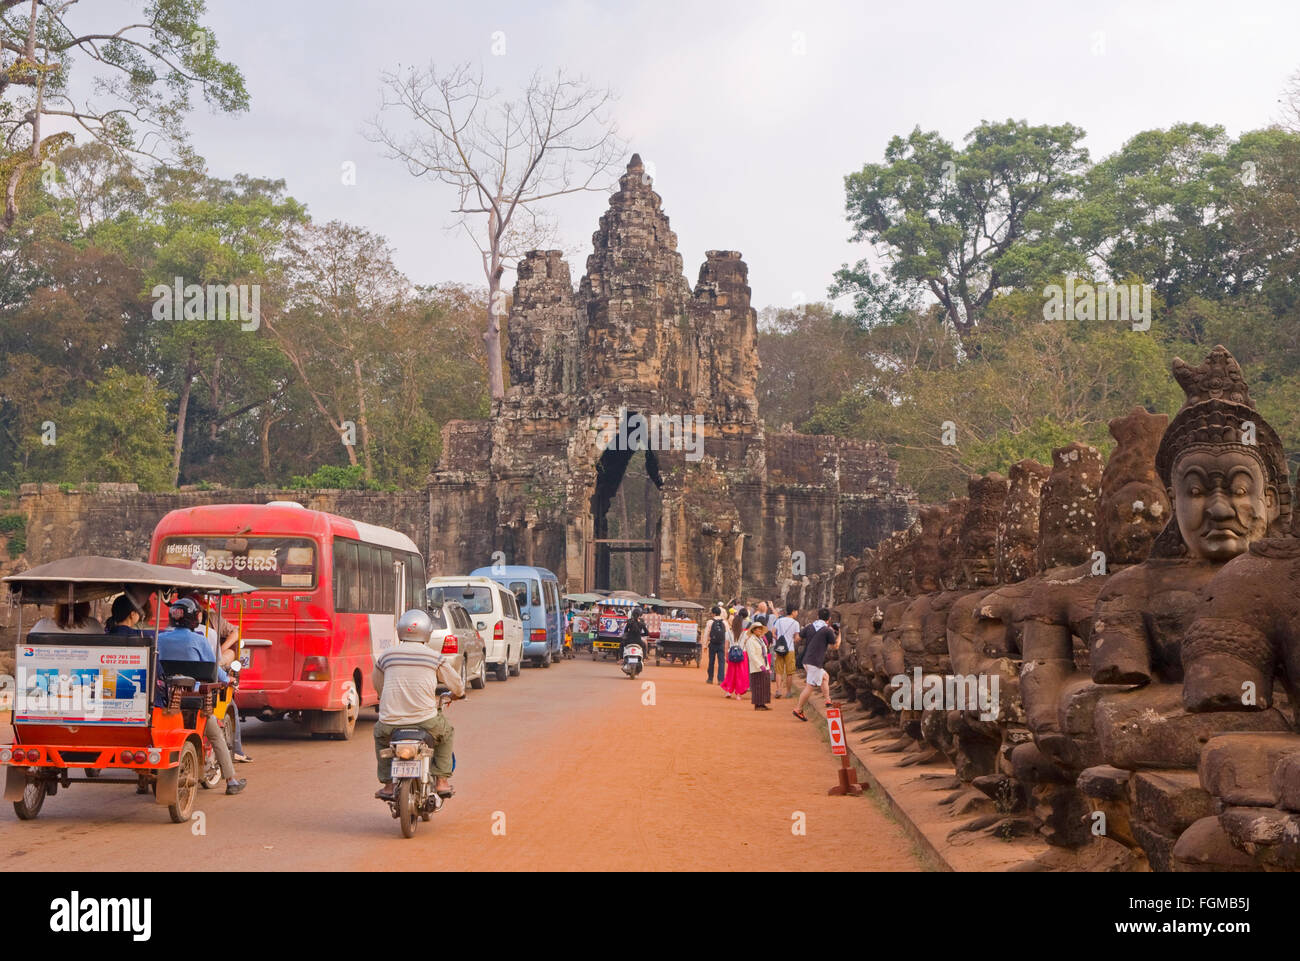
681, 631
82, 685
612, 624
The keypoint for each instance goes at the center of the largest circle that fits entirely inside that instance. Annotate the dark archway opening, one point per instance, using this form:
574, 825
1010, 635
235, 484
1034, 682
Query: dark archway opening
627, 506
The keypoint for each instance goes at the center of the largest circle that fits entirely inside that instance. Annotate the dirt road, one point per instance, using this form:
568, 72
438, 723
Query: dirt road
560, 769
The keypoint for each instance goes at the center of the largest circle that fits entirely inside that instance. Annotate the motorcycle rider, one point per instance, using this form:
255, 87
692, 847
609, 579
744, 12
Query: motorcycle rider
183, 643
407, 676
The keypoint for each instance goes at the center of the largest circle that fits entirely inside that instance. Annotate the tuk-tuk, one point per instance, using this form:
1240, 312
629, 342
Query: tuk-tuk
582, 618
104, 703
610, 624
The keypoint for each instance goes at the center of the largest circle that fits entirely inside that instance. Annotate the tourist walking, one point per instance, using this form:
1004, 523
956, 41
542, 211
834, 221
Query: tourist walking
718, 636
784, 629
736, 683
826, 636
760, 682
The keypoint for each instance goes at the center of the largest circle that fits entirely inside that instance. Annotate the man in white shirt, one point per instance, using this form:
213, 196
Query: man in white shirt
407, 676
784, 630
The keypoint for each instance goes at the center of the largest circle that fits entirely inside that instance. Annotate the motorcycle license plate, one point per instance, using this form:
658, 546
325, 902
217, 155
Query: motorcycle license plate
408, 768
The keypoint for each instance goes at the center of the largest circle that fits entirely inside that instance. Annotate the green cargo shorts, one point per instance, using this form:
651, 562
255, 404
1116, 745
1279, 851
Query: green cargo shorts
443, 735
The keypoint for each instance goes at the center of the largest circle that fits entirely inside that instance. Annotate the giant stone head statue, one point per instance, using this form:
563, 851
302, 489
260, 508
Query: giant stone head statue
1222, 465
977, 544
1067, 523
1018, 528
1134, 505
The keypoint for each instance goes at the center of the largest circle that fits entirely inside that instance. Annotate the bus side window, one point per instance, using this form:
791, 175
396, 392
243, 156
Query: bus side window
537, 592
347, 583
366, 578
414, 582
387, 581
520, 591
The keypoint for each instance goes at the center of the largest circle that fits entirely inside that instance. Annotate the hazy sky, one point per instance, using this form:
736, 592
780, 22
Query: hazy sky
750, 139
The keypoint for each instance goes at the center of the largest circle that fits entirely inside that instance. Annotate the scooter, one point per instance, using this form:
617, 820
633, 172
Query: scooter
414, 798
632, 658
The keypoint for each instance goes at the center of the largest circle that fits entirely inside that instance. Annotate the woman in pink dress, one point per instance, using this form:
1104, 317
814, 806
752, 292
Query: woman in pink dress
736, 683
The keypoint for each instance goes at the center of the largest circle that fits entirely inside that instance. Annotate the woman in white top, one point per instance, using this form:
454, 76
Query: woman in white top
760, 682
82, 622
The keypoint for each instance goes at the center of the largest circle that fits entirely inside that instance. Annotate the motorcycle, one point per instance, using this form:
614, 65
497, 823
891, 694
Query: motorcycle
632, 658
414, 798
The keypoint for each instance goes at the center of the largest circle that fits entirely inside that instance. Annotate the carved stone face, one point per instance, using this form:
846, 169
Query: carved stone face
1133, 517
1221, 502
980, 558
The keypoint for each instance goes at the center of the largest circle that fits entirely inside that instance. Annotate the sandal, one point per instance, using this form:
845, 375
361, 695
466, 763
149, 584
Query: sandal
800, 715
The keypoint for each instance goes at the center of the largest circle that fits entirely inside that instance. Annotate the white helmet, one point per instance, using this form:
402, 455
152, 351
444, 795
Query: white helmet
415, 625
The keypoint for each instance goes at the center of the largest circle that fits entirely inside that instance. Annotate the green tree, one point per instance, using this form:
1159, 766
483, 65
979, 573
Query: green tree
117, 432
138, 85
961, 224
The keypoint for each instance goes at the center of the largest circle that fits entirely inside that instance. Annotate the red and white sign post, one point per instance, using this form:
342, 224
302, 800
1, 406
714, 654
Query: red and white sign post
839, 746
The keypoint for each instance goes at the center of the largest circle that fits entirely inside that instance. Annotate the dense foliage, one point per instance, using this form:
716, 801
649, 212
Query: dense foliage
950, 353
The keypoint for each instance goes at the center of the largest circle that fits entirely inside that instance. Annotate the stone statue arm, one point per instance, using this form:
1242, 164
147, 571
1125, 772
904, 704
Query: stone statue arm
963, 648
892, 646
1230, 651
1120, 648
1048, 661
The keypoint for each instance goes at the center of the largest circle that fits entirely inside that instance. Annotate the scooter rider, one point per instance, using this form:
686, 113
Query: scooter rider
407, 676
633, 632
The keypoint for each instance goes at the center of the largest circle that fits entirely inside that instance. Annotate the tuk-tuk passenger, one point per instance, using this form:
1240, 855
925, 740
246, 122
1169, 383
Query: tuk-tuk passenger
125, 618
183, 643
81, 623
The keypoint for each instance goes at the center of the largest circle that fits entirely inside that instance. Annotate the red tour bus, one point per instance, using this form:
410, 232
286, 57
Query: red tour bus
329, 592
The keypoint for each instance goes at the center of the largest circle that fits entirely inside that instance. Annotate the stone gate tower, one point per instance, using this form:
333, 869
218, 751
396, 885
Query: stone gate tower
635, 345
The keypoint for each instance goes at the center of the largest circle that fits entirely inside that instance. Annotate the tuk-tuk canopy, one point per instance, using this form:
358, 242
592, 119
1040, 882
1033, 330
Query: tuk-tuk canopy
89, 578
583, 598
618, 602
685, 605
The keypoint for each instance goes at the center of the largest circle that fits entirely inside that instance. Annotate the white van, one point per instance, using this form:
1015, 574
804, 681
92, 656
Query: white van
495, 615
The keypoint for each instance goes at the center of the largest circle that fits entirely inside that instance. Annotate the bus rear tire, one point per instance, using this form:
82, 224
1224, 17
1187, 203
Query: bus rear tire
337, 725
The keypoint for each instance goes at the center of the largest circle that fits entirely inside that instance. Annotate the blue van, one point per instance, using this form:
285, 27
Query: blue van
537, 592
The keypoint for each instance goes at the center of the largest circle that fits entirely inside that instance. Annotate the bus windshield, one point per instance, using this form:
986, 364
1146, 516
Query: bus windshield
476, 600
266, 563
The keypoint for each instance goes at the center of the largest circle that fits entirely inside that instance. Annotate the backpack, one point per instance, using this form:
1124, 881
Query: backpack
735, 654
717, 633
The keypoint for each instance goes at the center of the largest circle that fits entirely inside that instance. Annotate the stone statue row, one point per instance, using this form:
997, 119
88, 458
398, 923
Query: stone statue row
1097, 649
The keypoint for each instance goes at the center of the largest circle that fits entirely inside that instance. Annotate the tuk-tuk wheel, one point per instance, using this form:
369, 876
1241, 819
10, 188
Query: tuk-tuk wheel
33, 799
187, 784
